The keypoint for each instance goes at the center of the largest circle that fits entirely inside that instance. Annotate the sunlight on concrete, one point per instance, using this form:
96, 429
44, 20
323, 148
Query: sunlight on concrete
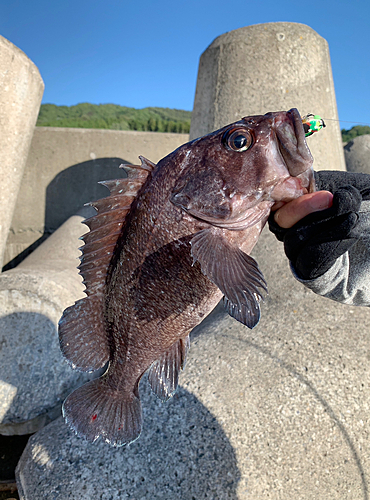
7, 395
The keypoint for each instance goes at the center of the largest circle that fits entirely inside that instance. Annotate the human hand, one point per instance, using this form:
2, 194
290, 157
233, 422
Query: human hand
290, 213
319, 227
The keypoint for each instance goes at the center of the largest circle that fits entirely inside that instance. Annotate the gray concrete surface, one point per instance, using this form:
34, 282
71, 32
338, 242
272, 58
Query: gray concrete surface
21, 89
63, 169
34, 377
269, 67
278, 412
357, 154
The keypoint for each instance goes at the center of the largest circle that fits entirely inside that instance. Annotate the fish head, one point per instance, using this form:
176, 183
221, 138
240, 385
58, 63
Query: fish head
232, 177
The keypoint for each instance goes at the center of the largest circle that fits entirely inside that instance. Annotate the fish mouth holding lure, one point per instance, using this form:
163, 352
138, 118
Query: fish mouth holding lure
168, 243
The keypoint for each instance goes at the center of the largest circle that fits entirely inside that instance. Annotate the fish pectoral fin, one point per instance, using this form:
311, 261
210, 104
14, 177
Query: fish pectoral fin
249, 314
163, 375
235, 273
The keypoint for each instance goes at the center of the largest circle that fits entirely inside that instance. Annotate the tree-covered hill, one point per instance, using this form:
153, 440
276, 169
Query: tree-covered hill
348, 135
113, 116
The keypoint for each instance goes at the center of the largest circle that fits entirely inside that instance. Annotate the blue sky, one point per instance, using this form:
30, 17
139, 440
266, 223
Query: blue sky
146, 53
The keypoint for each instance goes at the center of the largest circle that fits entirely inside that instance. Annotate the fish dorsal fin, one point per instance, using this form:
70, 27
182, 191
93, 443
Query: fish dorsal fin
106, 225
82, 330
164, 373
235, 273
146, 164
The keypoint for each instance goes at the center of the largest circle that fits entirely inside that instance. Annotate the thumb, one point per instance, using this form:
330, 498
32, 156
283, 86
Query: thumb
292, 212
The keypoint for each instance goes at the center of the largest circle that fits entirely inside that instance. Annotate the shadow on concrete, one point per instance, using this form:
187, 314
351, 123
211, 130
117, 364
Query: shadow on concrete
77, 185
69, 191
34, 377
187, 446
11, 450
183, 450
182, 453
26, 252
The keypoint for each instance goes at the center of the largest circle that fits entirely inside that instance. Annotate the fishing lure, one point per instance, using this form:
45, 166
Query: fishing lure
312, 123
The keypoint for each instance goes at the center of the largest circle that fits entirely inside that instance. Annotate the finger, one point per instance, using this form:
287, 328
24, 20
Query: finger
295, 210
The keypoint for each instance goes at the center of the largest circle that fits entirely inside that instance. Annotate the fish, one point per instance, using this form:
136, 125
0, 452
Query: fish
168, 243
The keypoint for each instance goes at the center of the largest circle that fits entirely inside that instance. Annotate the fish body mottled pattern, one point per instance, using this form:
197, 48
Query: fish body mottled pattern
166, 245
155, 294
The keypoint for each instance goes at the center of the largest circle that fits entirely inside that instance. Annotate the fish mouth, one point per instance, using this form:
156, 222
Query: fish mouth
293, 147
250, 217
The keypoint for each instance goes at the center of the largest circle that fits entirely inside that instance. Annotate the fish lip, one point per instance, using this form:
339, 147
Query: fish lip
293, 147
297, 123
247, 219
294, 121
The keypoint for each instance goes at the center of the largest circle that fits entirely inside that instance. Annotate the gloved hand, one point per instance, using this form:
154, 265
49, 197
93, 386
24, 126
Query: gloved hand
317, 240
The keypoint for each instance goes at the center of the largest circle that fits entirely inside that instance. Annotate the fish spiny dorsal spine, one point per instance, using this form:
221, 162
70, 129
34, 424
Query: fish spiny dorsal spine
146, 164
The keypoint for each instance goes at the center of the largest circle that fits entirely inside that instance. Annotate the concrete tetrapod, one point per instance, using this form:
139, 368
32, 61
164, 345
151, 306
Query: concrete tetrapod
64, 166
357, 154
34, 377
21, 89
280, 411
269, 67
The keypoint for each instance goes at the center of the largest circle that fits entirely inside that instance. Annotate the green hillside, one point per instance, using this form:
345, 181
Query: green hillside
115, 117
348, 135
112, 116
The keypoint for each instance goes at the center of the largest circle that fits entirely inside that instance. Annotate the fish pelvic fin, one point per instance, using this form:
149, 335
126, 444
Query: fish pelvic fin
235, 273
83, 332
163, 375
95, 411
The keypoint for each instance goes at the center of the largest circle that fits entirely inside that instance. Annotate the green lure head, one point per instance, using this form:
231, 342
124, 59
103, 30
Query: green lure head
312, 123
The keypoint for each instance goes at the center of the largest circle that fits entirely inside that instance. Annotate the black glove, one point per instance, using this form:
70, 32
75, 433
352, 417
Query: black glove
317, 240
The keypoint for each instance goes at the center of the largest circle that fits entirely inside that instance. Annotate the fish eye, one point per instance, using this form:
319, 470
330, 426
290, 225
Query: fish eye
237, 139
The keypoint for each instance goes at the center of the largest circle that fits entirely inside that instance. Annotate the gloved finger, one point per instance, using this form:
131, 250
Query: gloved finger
328, 232
332, 180
346, 199
278, 231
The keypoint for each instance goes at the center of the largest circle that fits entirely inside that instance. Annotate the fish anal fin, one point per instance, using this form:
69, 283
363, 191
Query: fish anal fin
163, 375
235, 273
95, 411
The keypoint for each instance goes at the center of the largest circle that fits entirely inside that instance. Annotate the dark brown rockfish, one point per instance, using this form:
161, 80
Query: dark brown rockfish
167, 244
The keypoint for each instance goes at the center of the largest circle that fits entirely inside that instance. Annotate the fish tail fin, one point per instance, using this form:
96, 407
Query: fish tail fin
96, 410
